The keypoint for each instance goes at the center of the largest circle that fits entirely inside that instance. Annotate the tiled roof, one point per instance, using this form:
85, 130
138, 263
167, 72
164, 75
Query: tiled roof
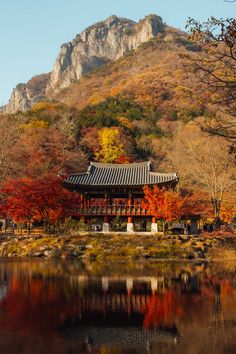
134, 174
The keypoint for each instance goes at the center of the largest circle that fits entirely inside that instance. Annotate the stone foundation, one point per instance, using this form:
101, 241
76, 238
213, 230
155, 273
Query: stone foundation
130, 227
106, 227
154, 227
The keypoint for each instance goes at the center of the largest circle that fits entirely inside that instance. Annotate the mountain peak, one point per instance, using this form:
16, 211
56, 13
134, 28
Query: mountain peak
111, 19
100, 43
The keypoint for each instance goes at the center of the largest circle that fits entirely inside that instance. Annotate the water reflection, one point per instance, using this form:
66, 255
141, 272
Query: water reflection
54, 307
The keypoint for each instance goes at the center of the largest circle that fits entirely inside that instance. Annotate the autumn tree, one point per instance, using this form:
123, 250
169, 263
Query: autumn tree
197, 203
173, 157
205, 164
111, 148
57, 115
89, 141
215, 67
42, 199
42, 149
9, 135
96, 142
19, 203
166, 205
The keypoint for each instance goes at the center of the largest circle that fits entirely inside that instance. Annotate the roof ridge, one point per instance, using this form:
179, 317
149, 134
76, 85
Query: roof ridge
133, 164
77, 174
163, 173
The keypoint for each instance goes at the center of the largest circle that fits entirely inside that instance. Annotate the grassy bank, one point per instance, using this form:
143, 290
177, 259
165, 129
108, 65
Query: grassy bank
115, 246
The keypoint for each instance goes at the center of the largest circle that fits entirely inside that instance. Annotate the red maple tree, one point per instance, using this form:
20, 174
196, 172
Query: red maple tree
166, 205
43, 199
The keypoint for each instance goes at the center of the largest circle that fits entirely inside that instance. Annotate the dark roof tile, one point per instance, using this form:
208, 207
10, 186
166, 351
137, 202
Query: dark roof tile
100, 174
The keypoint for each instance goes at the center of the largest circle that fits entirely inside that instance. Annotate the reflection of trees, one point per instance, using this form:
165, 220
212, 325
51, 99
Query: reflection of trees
191, 300
36, 306
217, 322
41, 305
163, 310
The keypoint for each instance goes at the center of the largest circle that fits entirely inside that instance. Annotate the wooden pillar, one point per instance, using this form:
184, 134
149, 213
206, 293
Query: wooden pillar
130, 224
88, 201
106, 219
85, 200
82, 199
130, 199
106, 199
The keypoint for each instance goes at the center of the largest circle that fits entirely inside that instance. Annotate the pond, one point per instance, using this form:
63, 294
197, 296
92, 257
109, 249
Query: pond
57, 307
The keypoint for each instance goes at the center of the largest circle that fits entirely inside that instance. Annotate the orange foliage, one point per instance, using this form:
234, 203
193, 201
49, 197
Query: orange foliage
227, 214
166, 205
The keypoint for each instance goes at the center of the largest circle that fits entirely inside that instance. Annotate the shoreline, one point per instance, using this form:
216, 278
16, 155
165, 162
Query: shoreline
121, 247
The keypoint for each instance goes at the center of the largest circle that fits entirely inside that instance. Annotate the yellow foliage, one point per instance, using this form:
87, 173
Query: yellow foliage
42, 106
35, 124
111, 147
183, 90
95, 98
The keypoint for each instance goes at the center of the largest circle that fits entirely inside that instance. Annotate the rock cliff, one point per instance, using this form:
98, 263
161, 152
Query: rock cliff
25, 95
104, 41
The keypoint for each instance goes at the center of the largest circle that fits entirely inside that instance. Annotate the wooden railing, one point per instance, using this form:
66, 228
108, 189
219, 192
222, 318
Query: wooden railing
108, 210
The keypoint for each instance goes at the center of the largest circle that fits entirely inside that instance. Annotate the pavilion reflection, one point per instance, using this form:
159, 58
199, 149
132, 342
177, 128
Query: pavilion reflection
123, 310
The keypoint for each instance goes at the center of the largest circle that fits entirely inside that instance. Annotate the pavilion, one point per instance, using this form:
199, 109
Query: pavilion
111, 190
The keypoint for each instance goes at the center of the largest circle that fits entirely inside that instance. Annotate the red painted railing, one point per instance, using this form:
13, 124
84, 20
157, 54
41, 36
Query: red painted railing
108, 210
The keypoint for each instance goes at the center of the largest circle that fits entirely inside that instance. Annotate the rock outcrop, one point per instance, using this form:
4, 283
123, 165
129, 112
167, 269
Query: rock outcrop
104, 41
26, 95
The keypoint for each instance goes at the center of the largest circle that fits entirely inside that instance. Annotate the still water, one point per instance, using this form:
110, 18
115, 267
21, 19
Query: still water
49, 307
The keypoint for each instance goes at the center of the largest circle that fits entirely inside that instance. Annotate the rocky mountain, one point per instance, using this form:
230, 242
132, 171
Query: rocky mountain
153, 75
25, 95
105, 41
100, 43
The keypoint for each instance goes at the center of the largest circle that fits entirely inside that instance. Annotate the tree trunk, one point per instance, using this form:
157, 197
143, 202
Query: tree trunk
163, 228
29, 227
216, 207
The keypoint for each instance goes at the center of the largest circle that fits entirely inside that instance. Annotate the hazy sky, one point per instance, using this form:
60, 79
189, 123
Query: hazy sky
32, 30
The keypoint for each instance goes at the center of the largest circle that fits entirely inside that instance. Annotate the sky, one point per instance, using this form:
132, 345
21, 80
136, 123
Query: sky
32, 31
